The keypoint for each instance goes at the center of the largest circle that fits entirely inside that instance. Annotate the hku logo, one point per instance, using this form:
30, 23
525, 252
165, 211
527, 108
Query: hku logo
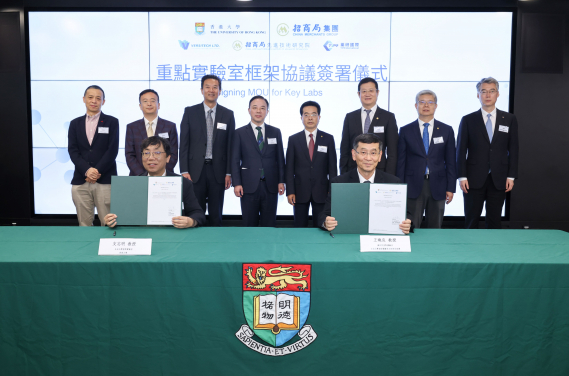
276, 303
329, 45
200, 28
184, 44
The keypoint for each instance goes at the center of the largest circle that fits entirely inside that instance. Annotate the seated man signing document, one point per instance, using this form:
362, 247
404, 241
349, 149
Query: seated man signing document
366, 151
155, 155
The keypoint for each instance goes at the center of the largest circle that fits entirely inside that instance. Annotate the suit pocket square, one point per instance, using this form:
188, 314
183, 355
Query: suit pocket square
243, 168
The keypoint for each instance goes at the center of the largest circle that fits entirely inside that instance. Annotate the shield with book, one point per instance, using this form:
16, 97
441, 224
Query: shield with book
276, 300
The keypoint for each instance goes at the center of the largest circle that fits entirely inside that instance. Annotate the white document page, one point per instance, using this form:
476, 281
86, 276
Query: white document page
387, 208
164, 199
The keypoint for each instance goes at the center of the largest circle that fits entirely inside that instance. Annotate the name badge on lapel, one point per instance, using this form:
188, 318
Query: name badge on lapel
323, 149
164, 135
438, 140
104, 130
272, 141
378, 129
503, 128
221, 126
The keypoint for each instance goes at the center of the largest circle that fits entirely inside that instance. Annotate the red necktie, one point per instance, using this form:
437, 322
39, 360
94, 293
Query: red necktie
311, 147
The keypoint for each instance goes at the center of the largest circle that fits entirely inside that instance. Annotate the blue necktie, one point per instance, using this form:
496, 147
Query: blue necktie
367, 122
489, 127
426, 143
261, 144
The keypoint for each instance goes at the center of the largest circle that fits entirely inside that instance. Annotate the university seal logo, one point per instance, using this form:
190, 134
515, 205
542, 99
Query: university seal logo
200, 28
276, 303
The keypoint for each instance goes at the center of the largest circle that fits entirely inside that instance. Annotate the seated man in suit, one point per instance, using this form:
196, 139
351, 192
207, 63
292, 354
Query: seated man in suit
258, 167
148, 126
426, 162
93, 145
366, 151
155, 155
310, 163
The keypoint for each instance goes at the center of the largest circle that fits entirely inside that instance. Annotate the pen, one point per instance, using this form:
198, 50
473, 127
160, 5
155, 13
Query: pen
115, 233
332, 235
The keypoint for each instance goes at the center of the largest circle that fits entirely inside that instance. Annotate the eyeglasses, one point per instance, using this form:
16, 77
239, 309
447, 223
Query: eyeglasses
492, 92
314, 114
364, 154
430, 103
364, 92
155, 154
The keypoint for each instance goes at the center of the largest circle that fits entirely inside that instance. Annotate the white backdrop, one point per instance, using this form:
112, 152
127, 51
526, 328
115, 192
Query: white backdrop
287, 57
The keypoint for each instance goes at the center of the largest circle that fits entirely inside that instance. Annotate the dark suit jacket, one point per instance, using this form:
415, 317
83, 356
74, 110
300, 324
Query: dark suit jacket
192, 208
101, 154
306, 178
136, 133
193, 141
412, 160
247, 160
353, 127
501, 156
353, 177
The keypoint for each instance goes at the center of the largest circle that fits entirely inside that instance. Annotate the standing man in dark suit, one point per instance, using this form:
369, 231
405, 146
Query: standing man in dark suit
206, 133
150, 125
93, 145
366, 152
258, 166
426, 162
487, 157
156, 153
310, 163
369, 119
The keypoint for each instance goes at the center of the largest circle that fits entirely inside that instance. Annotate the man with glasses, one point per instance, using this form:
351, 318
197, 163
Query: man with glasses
93, 145
487, 157
258, 167
366, 153
206, 132
150, 125
426, 162
310, 163
155, 156
370, 119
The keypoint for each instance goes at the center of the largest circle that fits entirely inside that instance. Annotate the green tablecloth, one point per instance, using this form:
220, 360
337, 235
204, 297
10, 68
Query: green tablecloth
463, 302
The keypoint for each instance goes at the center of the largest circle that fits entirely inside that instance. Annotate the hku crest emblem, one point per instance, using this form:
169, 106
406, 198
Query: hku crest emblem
276, 303
200, 28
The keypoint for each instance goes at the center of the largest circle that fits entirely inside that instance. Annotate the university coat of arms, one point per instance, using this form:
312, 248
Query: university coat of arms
276, 303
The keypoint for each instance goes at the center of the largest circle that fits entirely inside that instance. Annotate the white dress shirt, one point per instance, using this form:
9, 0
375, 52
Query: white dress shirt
307, 134
362, 179
364, 116
262, 131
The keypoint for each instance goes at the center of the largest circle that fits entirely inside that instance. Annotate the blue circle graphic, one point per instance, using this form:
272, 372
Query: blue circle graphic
62, 155
68, 176
36, 117
37, 174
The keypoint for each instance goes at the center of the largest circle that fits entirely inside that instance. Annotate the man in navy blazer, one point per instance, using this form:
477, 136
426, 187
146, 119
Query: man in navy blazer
310, 163
93, 145
258, 166
150, 125
206, 132
369, 119
487, 157
426, 162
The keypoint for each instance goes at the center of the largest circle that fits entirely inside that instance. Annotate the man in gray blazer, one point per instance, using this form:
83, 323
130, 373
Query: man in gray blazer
206, 132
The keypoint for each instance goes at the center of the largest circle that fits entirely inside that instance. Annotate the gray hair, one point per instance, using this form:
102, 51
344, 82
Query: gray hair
488, 80
425, 92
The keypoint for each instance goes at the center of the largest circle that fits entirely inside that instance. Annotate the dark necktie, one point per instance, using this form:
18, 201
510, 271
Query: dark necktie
367, 181
367, 122
311, 147
426, 142
260, 141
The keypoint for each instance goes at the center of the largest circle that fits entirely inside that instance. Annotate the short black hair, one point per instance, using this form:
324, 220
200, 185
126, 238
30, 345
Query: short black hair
309, 103
259, 97
367, 138
95, 87
148, 91
366, 80
156, 140
211, 77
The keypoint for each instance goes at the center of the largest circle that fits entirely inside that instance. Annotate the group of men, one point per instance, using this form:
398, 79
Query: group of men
214, 156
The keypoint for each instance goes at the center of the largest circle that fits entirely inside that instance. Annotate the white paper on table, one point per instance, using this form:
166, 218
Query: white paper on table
374, 243
387, 208
125, 247
164, 199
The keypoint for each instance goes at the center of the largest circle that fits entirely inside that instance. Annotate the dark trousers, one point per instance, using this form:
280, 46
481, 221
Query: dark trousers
207, 189
434, 209
301, 213
259, 205
474, 201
